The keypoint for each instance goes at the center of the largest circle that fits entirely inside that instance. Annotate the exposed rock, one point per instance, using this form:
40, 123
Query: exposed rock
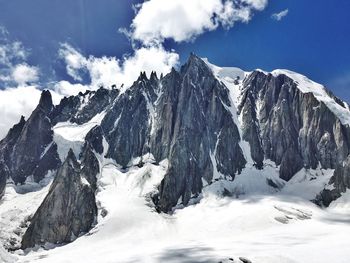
68, 210
28, 148
340, 182
289, 127
244, 260
185, 117
83, 107
4, 173
95, 139
90, 166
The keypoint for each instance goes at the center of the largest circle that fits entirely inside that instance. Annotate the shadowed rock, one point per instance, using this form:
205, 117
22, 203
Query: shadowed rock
185, 117
4, 173
68, 210
28, 149
289, 127
90, 166
340, 182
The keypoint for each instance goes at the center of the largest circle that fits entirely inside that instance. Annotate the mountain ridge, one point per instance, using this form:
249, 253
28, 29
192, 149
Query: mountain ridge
212, 129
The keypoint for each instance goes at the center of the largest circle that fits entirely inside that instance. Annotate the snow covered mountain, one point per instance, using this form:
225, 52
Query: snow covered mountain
100, 164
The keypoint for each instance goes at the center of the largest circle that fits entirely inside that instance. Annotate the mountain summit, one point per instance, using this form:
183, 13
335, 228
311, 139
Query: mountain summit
215, 128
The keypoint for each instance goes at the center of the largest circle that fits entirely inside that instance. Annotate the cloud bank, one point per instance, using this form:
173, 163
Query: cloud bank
108, 71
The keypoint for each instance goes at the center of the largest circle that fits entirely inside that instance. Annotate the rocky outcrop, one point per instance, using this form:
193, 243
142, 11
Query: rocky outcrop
197, 126
90, 166
28, 148
6, 148
188, 118
185, 117
4, 173
338, 184
289, 127
68, 210
95, 139
83, 107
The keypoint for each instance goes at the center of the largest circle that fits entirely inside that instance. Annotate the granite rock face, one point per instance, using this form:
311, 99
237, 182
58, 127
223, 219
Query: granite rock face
4, 173
90, 166
185, 117
28, 149
95, 139
81, 108
340, 182
188, 118
289, 127
68, 210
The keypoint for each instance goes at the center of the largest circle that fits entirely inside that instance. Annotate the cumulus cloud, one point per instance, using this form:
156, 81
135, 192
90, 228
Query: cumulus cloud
183, 20
279, 16
15, 102
108, 71
23, 74
65, 88
13, 66
18, 93
154, 22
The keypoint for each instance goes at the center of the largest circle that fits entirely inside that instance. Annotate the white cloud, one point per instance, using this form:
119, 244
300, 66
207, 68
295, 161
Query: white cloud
18, 101
107, 71
15, 102
280, 15
13, 68
183, 20
17, 94
155, 21
10, 51
23, 74
65, 88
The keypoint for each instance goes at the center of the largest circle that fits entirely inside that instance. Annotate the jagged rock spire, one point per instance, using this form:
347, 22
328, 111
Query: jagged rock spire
45, 102
68, 210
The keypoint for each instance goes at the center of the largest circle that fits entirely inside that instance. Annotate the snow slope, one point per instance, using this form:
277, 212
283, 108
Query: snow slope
262, 228
258, 222
71, 135
18, 204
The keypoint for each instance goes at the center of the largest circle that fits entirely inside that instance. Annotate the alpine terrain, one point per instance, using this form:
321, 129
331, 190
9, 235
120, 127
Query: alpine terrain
203, 164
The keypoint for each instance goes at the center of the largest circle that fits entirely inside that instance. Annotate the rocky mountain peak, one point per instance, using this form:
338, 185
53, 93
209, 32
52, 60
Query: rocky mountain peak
71, 160
142, 76
195, 67
68, 210
45, 102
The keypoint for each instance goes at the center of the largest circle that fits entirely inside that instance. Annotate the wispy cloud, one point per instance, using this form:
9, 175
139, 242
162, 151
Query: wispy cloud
13, 66
279, 16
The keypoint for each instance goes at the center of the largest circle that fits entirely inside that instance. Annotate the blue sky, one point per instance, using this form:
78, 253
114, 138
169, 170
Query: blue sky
313, 38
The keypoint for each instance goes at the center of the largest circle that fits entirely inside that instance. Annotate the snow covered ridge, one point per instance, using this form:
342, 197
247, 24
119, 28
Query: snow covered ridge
229, 74
306, 85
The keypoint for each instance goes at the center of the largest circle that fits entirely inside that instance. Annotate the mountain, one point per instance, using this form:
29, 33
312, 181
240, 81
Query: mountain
203, 126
